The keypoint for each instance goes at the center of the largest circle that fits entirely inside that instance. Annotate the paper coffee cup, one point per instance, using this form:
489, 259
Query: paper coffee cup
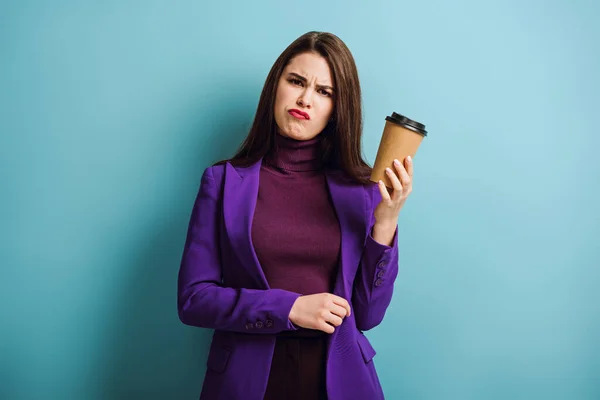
401, 138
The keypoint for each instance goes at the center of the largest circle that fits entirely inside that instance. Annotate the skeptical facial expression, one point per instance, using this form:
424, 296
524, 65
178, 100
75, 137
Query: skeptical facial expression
304, 100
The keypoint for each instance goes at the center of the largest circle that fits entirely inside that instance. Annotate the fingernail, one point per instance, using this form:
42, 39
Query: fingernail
388, 170
409, 158
396, 162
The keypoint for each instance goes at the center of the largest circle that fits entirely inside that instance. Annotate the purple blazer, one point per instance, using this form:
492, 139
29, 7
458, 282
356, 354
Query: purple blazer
221, 286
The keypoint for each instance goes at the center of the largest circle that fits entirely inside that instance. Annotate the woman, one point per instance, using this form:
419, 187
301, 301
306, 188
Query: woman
291, 251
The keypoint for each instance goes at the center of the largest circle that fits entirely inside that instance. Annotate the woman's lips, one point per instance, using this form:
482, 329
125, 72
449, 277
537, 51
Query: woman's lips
299, 114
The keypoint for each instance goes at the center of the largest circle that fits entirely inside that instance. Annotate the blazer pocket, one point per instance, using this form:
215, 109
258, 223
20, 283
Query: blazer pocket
217, 359
368, 352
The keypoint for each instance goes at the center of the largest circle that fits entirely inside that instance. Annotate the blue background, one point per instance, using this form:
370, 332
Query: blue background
110, 111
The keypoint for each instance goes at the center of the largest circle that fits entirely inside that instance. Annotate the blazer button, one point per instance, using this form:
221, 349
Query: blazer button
381, 264
249, 325
259, 325
380, 274
378, 282
269, 323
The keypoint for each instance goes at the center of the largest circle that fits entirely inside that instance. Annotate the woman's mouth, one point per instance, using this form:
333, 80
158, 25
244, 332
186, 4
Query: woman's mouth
298, 114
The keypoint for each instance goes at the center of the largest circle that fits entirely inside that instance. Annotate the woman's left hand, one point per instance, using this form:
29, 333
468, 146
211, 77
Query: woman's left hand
388, 209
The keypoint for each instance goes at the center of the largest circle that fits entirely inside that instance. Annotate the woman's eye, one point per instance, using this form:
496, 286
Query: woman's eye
298, 82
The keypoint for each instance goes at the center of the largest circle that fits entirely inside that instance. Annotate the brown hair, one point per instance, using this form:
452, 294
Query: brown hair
341, 141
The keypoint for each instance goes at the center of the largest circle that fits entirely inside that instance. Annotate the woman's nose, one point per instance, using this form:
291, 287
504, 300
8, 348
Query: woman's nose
303, 101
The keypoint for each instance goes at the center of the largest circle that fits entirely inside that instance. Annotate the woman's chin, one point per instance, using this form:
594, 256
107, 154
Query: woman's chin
293, 134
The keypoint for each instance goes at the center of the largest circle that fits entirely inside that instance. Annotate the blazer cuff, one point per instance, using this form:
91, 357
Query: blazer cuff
286, 303
378, 257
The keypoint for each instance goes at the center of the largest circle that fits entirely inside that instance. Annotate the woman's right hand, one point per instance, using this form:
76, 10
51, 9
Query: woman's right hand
319, 311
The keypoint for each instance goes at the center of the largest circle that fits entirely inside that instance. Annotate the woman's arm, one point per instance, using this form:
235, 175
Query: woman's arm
374, 283
201, 300
378, 268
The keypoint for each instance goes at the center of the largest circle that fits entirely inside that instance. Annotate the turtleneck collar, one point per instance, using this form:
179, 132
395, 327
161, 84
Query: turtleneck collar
295, 155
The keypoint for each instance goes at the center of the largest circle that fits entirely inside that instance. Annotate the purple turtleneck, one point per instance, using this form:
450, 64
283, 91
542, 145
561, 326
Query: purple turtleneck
295, 230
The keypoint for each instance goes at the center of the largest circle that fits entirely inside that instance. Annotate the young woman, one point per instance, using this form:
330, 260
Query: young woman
291, 252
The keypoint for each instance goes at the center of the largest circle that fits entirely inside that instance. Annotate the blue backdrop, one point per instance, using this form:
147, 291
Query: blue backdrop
110, 111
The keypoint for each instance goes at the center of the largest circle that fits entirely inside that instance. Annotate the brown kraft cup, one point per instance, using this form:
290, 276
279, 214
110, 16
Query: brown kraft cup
401, 138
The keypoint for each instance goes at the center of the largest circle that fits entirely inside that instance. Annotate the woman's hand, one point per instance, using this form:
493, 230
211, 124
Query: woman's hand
388, 209
318, 311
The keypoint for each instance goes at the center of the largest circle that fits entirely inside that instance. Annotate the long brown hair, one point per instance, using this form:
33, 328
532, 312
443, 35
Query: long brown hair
341, 138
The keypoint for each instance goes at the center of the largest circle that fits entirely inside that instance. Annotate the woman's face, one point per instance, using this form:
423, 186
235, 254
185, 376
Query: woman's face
305, 86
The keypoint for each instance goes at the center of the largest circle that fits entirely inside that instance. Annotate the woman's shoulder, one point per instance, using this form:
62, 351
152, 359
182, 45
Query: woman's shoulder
216, 172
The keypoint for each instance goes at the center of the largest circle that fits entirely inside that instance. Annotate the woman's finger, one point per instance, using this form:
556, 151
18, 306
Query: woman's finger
409, 166
402, 173
395, 182
325, 327
385, 192
333, 319
340, 311
340, 301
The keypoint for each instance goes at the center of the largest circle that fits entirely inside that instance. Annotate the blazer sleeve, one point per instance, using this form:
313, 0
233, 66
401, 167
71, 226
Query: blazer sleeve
377, 272
202, 301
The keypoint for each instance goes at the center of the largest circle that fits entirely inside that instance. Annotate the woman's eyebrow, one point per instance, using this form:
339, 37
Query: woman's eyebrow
303, 79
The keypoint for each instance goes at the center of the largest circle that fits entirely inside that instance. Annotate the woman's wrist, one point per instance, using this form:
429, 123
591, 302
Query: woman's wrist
383, 232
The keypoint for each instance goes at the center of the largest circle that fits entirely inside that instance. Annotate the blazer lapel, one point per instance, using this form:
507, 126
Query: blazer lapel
351, 206
239, 202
